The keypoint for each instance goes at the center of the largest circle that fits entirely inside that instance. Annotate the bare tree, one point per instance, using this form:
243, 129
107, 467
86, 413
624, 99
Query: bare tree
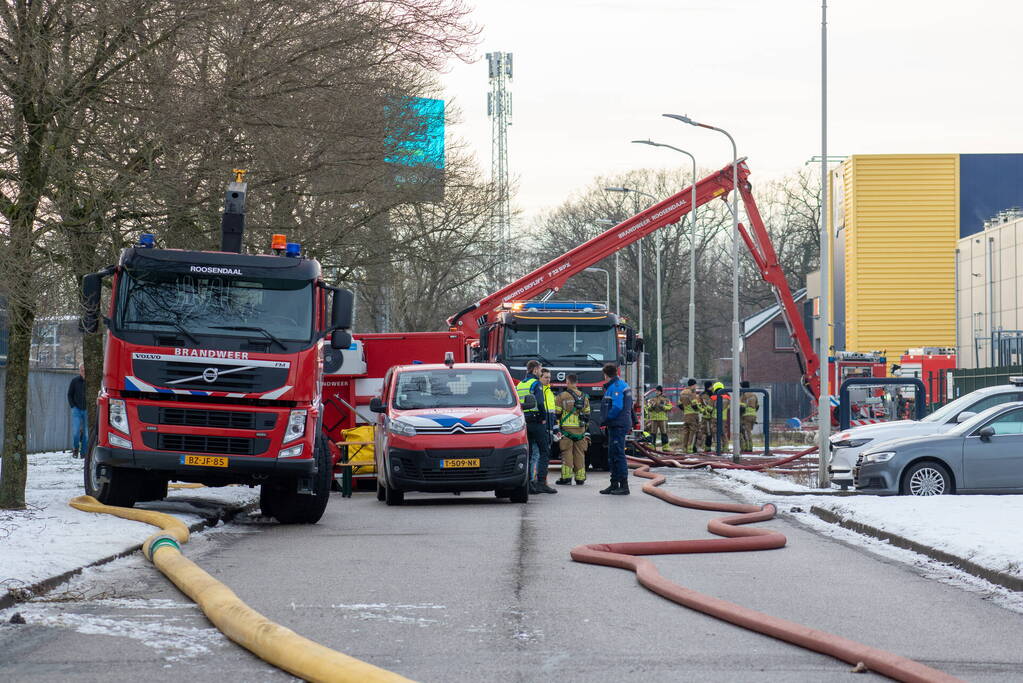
121, 113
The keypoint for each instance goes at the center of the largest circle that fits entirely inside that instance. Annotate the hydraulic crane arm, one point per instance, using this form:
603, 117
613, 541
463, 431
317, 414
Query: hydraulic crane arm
762, 250
549, 278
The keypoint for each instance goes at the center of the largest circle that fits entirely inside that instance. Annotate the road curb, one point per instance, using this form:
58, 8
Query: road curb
24, 593
1009, 581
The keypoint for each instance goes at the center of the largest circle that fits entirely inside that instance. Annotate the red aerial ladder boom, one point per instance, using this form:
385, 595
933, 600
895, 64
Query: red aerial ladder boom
546, 280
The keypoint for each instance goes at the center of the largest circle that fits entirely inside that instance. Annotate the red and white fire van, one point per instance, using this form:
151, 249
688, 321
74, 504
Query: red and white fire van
450, 428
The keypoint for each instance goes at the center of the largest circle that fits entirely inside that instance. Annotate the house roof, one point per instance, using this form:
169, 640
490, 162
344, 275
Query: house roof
761, 318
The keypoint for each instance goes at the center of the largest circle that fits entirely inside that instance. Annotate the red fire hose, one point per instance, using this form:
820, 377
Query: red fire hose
736, 538
669, 459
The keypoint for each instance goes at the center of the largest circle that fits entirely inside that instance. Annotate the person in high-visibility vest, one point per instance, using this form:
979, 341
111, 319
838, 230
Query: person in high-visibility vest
657, 415
573, 408
748, 417
719, 396
536, 426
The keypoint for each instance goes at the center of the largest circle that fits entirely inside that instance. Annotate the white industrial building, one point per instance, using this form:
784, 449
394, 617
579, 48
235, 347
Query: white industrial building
989, 294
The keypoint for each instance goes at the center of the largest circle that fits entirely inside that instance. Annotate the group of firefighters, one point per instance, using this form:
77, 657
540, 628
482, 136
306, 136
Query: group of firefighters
561, 417
699, 416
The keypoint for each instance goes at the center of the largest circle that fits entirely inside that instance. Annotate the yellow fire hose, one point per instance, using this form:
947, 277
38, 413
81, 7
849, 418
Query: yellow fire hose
270, 641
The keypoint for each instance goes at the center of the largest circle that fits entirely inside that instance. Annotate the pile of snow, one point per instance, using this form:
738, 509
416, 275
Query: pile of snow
981, 529
50, 537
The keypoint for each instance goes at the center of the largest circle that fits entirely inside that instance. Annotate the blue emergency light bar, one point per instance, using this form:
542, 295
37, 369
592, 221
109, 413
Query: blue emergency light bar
562, 306
294, 250
147, 240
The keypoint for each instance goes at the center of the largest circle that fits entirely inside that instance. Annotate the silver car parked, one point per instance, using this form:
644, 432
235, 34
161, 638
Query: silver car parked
984, 454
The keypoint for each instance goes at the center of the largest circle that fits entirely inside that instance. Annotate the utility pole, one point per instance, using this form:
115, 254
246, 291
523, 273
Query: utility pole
499, 111
824, 404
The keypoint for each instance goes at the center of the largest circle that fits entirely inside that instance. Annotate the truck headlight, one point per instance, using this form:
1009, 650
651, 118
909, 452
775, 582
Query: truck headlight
516, 424
401, 428
117, 415
296, 426
292, 452
118, 442
883, 456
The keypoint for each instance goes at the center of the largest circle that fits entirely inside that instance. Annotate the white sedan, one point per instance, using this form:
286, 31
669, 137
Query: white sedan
846, 446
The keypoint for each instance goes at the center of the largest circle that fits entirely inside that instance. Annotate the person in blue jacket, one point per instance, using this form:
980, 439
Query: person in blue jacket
616, 407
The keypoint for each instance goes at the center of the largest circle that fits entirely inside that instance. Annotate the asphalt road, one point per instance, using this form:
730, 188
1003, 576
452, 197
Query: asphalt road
472, 588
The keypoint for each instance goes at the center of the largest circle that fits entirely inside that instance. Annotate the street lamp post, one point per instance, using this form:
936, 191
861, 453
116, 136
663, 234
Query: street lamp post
736, 340
639, 244
607, 277
618, 279
690, 358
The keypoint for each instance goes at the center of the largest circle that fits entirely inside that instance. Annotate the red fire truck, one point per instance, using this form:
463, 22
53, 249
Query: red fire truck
212, 372
933, 365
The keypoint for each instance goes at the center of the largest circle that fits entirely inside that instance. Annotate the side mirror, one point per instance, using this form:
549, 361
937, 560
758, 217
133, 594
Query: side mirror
986, 433
376, 405
529, 402
342, 308
964, 416
630, 356
639, 345
339, 339
92, 284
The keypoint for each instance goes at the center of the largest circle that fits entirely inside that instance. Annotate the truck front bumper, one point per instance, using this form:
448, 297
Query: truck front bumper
238, 467
502, 468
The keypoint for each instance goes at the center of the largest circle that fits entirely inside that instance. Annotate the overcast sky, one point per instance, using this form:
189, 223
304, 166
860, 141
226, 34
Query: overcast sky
904, 76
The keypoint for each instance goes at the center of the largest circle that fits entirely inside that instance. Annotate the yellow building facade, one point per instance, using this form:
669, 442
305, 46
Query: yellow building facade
895, 224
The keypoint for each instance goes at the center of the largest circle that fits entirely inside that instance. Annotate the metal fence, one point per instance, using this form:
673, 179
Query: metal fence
788, 399
966, 380
49, 417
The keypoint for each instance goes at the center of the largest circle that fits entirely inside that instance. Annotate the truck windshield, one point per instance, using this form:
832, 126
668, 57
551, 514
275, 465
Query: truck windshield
155, 301
571, 344
453, 389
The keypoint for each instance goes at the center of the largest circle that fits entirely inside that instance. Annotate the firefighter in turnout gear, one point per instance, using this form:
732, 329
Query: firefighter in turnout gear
704, 437
748, 418
573, 409
688, 401
657, 415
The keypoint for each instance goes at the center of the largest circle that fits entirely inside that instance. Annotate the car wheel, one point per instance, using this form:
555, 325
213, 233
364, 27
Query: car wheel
520, 494
381, 491
394, 496
927, 479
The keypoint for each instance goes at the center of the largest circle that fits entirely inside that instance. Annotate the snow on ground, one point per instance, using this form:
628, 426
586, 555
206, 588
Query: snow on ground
50, 537
982, 529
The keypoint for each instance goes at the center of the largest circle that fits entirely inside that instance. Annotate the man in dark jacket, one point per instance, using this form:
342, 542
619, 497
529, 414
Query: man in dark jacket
536, 429
616, 407
79, 415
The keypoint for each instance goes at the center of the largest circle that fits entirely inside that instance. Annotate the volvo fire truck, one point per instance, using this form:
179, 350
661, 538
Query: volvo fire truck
212, 371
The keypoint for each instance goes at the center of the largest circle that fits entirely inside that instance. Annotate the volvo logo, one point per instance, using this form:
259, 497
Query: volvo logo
561, 377
210, 374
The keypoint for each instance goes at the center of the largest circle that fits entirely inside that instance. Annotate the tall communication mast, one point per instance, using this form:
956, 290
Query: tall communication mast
499, 110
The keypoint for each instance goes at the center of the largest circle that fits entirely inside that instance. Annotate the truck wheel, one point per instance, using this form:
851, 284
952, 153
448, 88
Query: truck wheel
268, 493
394, 496
381, 491
291, 507
521, 494
122, 487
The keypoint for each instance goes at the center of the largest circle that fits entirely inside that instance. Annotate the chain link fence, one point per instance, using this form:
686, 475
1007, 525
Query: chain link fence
49, 416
